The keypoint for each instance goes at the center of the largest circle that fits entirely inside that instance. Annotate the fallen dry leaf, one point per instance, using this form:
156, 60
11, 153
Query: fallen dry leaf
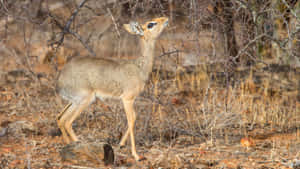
247, 142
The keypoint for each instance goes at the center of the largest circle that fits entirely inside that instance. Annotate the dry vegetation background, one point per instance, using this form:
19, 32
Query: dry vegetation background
224, 91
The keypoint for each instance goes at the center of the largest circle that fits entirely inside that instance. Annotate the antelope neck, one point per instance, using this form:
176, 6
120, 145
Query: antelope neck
145, 61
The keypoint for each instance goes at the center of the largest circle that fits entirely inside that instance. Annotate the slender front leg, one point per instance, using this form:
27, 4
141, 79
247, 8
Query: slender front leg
130, 113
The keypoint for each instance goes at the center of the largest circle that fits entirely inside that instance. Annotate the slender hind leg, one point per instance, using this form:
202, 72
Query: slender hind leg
63, 111
60, 122
69, 116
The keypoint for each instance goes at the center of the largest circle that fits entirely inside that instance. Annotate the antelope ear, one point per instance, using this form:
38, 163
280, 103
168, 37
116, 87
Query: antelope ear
134, 28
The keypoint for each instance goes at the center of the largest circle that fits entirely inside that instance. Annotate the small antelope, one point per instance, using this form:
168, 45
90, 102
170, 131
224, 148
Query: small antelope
82, 80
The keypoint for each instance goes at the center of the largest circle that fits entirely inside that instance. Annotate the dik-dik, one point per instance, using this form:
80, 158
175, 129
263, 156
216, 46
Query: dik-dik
82, 80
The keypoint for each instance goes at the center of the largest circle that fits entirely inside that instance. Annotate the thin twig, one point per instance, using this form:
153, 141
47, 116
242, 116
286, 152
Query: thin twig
247, 46
82, 42
292, 10
114, 21
169, 53
74, 15
255, 59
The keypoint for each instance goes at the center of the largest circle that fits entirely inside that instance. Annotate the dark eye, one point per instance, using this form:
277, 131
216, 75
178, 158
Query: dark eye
151, 24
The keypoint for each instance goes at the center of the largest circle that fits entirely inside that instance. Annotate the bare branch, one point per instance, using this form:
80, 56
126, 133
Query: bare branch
292, 11
66, 29
247, 46
169, 53
82, 42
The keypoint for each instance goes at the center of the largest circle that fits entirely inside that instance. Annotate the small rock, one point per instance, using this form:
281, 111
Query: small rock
81, 153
